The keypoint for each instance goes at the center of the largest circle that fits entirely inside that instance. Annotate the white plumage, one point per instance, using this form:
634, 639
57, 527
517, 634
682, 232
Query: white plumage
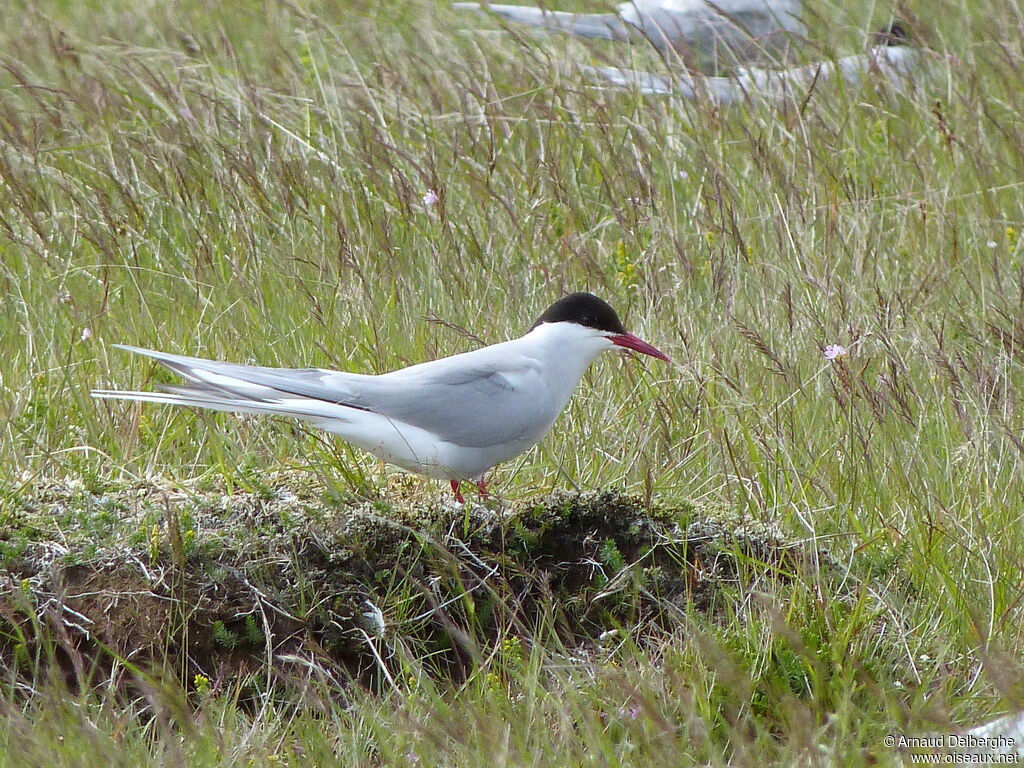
707, 32
897, 65
451, 419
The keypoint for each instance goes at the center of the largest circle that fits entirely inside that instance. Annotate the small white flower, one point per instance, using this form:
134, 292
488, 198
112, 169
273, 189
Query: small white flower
431, 198
63, 297
683, 175
86, 334
832, 351
991, 243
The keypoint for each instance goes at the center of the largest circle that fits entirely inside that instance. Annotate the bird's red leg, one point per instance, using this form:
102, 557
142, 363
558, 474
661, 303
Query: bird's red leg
482, 485
458, 494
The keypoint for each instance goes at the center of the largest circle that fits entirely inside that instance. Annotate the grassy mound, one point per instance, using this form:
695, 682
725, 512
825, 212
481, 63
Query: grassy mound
222, 584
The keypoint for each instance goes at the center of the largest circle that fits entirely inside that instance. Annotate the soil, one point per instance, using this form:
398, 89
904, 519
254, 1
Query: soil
223, 585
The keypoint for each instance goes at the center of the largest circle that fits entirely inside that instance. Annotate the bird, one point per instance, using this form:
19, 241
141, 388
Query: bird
892, 57
449, 419
705, 32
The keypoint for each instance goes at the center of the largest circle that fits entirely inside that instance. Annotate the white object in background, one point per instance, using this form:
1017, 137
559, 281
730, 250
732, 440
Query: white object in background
894, 61
707, 32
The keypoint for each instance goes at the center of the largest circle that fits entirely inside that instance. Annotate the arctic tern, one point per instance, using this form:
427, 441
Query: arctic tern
708, 32
892, 58
449, 419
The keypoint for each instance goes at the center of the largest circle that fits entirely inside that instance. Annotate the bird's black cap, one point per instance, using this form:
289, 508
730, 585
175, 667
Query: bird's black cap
894, 34
583, 309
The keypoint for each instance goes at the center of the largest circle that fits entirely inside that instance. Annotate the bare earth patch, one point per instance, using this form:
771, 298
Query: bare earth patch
232, 584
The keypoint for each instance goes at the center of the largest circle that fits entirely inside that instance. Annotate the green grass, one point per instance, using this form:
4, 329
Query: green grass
246, 183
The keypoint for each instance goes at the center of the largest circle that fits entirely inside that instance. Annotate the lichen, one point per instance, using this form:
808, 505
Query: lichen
209, 582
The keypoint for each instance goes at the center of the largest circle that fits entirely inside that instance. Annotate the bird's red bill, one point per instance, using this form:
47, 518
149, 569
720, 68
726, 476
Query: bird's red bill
629, 341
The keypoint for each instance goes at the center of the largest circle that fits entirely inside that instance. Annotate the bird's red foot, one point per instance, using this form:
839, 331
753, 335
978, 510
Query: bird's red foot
457, 492
482, 485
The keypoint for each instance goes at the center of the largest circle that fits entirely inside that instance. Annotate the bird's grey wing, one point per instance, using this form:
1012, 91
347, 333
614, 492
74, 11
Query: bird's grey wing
669, 27
755, 16
258, 382
644, 82
605, 26
715, 33
475, 404
718, 90
472, 405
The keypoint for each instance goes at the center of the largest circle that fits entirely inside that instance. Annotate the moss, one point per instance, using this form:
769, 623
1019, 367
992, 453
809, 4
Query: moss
206, 581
